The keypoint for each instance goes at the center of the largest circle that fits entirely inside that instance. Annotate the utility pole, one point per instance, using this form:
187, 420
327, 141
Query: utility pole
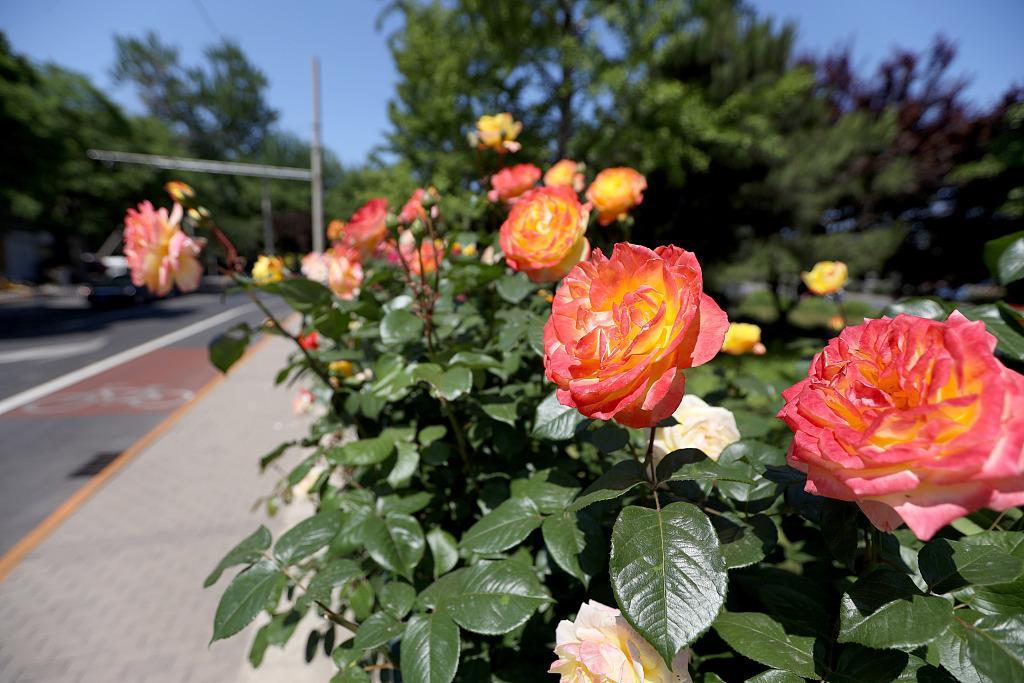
268, 218
316, 161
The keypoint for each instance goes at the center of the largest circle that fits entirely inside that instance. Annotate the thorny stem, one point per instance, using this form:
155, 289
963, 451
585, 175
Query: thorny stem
314, 364
331, 614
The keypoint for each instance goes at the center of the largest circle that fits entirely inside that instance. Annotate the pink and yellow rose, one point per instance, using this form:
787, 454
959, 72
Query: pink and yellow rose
413, 208
267, 270
615, 191
426, 259
159, 253
915, 420
344, 271
543, 235
368, 227
335, 229
509, 183
565, 173
600, 646
623, 329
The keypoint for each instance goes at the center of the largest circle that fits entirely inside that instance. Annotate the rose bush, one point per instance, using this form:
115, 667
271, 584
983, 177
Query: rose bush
508, 482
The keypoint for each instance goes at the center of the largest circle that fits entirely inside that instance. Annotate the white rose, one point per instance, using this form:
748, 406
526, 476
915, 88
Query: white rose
708, 428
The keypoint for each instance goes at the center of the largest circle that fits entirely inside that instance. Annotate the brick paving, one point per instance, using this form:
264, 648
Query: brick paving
115, 593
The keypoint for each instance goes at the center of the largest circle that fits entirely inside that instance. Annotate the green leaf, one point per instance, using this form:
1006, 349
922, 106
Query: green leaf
301, 294
363, 452
474, 360
609, 437
691, 464
884, 609
933, 309
246, 596
986, 650
622, 478
550, 490
1005, 599
761, 638
555, 422
336, 574
246, 552
429, 435
454, 383
407, 461
502, 412
227, 348
378, 630
514, 288
360, 596
430, 649
444, 549
578, 551
275, 454
399, 327
504, 527
858, 664
393, 377
1004, 257
667, 573
745, 543
278, 631
948, 565
1003, 324
396, 542
308, 536
775, 676
491, 598
397, 598
840, 525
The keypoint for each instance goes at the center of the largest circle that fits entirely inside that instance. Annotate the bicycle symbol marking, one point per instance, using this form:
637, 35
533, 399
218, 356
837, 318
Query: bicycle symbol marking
112, 397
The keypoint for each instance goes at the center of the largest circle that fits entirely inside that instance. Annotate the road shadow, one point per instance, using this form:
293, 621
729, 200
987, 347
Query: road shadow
43, 317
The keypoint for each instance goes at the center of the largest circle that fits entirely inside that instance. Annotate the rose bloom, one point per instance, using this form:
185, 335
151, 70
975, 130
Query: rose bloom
314, 267
335, 229
509, 183
914, 420
497, 132
267, 270
427, 260
368, 227
601, 647
341, 367
179, 191
706, 428
615, 191
543, 235
413, 208
622, 329
344, 271
743, 338
565, 173
302, 401
310, 342
826, 277
159, 253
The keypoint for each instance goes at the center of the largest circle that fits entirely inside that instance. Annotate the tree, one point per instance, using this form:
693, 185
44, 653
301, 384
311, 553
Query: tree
220, 108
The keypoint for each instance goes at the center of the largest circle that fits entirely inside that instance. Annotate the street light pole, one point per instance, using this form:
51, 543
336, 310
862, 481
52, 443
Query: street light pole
316, 162
268, 218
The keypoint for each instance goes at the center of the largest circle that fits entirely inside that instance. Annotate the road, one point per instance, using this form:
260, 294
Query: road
78, 386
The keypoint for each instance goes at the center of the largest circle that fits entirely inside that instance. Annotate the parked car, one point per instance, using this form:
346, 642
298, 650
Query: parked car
116, 291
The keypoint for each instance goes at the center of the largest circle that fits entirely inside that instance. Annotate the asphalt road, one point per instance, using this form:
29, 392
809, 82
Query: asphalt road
78, 386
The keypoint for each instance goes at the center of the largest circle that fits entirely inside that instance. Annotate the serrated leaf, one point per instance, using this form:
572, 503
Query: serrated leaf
514, 288
246, 596
747, 542
454, 383
987, 650
622, 478
491, 598
550, 490
305, 296
1004, 257
399, 327
933, 309
363, 452
444, 549
397, 598
502, 412
430, 649
691, 464
247, 551
775, 676
308, 536
761, 638
948, 565
858, 664
555, 422
378, 630
504, 527
609, 437
667, 573
884, 609
336, 574
578, 551
395, 542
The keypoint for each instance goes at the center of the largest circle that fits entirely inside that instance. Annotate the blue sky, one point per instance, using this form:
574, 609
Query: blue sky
358, 75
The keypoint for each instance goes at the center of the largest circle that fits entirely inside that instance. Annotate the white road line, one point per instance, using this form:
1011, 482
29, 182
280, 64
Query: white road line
47, 388
53, 351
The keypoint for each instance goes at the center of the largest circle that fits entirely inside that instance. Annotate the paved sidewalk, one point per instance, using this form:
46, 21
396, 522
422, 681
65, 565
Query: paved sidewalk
115, 593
